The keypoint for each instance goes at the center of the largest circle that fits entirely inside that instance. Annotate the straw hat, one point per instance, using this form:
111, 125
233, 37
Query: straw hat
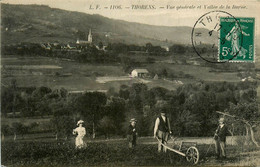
80, 122
133, 120
221, 120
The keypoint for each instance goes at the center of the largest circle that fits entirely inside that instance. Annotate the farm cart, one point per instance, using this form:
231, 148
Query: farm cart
191, 152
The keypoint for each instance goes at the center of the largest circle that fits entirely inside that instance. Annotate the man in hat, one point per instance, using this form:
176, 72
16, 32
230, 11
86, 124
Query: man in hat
81, 132
220, 139
132, 133
162, 129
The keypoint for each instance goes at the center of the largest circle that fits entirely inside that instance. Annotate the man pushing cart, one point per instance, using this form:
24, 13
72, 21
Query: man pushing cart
162, 131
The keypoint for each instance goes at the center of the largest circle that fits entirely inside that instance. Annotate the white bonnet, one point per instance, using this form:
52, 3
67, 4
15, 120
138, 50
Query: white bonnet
80, 122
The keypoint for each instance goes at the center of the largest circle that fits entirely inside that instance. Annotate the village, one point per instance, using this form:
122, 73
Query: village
78, 46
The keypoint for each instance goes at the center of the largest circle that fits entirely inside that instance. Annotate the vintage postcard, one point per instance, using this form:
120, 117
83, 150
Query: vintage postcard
130, 83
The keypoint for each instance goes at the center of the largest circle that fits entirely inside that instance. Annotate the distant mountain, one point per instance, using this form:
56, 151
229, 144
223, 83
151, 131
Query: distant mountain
37, 23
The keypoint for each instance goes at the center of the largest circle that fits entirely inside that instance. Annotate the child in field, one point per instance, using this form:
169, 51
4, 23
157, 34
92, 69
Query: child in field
81, 132
132, 133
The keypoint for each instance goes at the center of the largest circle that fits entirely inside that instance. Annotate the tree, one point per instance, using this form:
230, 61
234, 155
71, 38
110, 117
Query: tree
111, 92
12, 100
177, 49
137, 95
246, 111
150, 60
124, 92
7, 100
106, 126
186, 124
19, 128
164, 73
14, 91
5, 130
100, 45
81, 35
247, 124
40, 92
149, 47
116, 109
63, 93
63, 125
90, 105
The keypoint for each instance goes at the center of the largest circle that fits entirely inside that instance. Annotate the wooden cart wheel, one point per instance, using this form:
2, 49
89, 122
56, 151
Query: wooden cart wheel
192, 155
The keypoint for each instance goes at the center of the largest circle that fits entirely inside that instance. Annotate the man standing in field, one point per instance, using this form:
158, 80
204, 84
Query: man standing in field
220, 139
162, 129
132, 133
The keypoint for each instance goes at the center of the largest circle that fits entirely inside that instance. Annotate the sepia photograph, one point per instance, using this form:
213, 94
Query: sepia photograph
130, 83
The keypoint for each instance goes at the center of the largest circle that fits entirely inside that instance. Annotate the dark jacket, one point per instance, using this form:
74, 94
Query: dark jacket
132, 130
163, 126
222, 133
131, 133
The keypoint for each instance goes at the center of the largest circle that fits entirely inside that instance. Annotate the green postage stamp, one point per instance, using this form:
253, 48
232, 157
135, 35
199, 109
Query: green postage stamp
236, 39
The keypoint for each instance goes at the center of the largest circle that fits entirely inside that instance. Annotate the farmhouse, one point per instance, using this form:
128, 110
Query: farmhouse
139, 73
46, 46
71, 46
166, 48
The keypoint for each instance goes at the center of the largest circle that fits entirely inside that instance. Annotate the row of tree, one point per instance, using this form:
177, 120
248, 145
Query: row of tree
191, 108
32, 49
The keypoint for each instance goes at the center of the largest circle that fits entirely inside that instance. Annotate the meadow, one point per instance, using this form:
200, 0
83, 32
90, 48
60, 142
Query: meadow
200, 72
71, 75
112, 153
75, 76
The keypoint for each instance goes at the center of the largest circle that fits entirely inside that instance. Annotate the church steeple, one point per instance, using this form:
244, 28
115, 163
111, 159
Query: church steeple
89, 36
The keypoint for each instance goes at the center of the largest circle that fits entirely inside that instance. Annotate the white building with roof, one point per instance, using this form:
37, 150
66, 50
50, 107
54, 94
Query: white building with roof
139, 73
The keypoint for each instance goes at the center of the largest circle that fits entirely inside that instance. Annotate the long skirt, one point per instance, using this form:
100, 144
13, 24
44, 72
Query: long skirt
79, 142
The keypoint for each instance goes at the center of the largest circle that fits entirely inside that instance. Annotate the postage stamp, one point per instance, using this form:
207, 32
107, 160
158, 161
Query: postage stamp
205, 35
236, 39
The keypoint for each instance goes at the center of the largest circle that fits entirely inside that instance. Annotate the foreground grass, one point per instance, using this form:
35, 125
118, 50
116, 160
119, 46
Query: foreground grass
96, 154
27, 153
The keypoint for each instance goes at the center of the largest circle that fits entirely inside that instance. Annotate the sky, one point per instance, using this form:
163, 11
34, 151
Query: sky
158, 16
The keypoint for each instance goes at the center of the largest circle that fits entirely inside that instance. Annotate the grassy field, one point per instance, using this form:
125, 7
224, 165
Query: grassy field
199, 72
71, 75
110, 153
74, 76
9, 121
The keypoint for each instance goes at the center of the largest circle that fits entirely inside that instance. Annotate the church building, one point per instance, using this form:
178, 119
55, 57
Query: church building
89, 41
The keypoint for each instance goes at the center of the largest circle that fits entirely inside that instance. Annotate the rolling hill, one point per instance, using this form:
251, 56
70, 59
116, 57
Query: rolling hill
39, 23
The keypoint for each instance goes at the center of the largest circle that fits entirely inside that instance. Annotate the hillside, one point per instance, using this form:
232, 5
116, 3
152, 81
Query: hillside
35, 23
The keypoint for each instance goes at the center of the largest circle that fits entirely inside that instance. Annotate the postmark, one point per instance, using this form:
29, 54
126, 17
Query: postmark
232, 48
206, 38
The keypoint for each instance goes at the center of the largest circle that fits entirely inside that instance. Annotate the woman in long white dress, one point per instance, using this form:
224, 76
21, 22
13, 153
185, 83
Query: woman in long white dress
81, 132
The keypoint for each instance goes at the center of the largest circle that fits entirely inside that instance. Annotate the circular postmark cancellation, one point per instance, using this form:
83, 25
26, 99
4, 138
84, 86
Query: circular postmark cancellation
212, 31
